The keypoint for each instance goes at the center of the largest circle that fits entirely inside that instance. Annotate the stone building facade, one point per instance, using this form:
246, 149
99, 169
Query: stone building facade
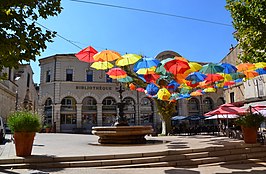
74, 96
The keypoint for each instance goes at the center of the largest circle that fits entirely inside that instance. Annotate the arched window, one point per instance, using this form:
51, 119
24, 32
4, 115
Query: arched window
207, 104
193, 107
89, 112
145, 102
129, 110
68, 115
48, 111
109, 110
220, 101
146, 111
89, 104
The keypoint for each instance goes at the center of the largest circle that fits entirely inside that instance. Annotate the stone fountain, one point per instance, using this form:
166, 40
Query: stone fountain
121, 132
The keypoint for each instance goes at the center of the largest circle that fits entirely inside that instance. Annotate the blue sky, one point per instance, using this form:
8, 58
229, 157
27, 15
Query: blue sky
128, 31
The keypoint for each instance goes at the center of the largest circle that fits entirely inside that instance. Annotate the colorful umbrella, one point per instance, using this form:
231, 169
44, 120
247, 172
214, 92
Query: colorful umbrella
228, 68
194, 67
176, 66
226, 77
173, 85
195, 93
260, 65
196, 77
261, 71
116, 73
211, 68
86, 55
101, 65
209, 90
214, 77
127, 59
237, 75
106, 55
163, 94
126, 79
145, 63
150, 70
251, 74
140, 89
229, 83
244, 67
132, 86
151, 78
152, 89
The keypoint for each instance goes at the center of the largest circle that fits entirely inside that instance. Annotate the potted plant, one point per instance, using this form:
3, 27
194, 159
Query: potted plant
48, 128
249, 124
24, 125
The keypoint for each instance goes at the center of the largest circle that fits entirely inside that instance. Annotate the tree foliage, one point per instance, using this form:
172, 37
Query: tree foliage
249, 20
20, 36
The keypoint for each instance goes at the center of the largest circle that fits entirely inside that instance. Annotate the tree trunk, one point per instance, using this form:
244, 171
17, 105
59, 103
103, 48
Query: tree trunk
166, 126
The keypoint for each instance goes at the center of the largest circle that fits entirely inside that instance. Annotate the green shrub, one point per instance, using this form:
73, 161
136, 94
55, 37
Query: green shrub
24, 121
250, 120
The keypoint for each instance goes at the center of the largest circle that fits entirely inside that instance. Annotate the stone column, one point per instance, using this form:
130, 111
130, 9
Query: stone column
137, 114
56, 117
99, 114
79, 116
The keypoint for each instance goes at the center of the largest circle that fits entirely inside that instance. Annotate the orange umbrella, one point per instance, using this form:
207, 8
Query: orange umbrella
181, 58
117, 73
86, 55
213, 77
132, 87
195, 93
244, 67
251, 74
106, 55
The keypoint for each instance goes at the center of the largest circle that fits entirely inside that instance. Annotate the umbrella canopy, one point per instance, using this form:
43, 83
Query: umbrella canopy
152, 89
127, 59
228, 68
214, 77
145, 63
176, 66
211, 68
209, 90
196, 77
262, 112
146, 70
244, 67
126, 79
194, 118
173, 85
237, 75
163, 94
151, 78
102, 65
261, 71
176, 118
251, 74
260, 65
227, 116
227, 109
194, 66
116, 73
86, 55
106, 55
132, 86
195, 93
227, 77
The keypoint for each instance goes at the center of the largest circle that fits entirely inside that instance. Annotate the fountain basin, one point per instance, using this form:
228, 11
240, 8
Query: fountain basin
122, 134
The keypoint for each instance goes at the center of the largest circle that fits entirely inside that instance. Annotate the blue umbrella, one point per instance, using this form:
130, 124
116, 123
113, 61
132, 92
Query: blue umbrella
173, 85
261, 71
145, 63
152, 89
228, 68
196, 77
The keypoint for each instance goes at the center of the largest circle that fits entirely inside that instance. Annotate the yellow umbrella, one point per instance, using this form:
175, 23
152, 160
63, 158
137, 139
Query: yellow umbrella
209, 90
260, 65
146, 70
163, 94
193, 67
127, 59
227, 77
106, 55
102, 65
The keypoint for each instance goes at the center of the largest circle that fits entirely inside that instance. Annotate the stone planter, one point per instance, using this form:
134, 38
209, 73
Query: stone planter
250, 134
23, 143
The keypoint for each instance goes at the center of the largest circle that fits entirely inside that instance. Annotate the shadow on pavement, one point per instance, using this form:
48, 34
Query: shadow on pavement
177, 145
180, 171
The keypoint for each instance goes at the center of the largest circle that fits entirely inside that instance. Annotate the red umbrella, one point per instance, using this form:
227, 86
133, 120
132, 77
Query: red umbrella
151, 78
116, 73
86, 55
257, 108
214, 77
176, 66
226, 109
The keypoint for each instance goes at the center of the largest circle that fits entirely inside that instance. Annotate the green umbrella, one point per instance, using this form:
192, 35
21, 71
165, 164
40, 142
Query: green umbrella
127, 79
237, 75
211, 68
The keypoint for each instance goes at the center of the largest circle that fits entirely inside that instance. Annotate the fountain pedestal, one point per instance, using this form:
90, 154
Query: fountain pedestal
122, 134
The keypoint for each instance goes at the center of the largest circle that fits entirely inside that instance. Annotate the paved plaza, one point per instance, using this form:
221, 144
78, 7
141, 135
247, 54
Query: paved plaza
66, 145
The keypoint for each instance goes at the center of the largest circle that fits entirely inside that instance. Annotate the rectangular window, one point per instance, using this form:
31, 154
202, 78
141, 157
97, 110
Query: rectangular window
232, 97
89, 75
28, 80
108, 79
48, 76
69, 74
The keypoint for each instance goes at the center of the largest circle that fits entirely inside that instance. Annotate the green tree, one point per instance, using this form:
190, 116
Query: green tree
166, 109
21, 39
249, 20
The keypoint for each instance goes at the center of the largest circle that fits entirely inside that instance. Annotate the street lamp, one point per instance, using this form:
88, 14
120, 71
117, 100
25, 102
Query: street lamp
121, 120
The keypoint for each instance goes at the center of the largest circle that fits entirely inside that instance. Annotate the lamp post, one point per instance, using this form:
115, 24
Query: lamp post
121, 119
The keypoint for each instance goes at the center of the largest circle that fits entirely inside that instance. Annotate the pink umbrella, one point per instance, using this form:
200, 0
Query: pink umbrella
227, 109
